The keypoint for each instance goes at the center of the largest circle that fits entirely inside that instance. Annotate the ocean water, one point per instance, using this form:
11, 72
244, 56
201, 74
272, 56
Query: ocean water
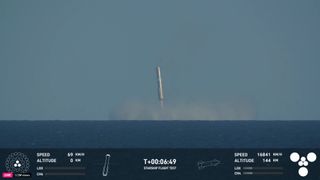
159, 134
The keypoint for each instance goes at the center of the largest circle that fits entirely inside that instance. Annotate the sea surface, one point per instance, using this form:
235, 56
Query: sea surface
159, 134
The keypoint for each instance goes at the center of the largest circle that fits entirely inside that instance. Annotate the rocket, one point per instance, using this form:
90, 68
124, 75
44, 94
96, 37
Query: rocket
160, 90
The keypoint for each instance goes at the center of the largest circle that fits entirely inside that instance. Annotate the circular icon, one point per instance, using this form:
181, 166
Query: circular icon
312, 157
17, 163
303, 172
294, 157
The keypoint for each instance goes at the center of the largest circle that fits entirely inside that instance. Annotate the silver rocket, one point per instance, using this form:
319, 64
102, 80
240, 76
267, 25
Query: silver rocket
160, 90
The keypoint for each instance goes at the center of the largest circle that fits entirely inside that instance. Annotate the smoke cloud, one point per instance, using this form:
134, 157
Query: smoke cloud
184, 111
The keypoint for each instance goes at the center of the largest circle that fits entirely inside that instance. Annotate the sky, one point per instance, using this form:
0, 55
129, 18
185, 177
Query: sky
81, 59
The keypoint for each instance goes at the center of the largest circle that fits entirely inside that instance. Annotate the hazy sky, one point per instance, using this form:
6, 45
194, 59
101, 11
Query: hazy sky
80, 59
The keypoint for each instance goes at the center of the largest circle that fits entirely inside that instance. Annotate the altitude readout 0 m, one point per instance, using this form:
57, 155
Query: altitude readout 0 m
159, 161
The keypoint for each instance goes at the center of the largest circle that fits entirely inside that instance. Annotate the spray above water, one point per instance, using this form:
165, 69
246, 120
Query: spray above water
136, 110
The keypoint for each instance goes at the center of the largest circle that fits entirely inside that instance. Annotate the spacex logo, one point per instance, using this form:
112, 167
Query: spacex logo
303, 162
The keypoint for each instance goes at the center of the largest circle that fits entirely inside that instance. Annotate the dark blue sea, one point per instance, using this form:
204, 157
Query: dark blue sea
159, 134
